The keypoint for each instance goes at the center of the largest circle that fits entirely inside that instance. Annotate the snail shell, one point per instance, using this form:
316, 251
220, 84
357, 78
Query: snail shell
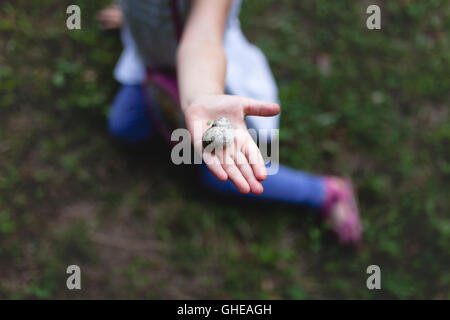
222, 122
219, 135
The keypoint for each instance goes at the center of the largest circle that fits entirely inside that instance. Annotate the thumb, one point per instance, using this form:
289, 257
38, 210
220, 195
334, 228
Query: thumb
259, 108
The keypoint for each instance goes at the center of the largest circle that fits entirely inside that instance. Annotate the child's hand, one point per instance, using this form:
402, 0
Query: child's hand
110, 17
241, 161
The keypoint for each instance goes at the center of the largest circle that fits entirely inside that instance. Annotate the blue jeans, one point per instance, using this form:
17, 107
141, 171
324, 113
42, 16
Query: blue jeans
129, 121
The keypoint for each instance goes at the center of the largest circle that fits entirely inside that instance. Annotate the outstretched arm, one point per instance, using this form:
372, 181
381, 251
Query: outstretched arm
201, 59
201, 66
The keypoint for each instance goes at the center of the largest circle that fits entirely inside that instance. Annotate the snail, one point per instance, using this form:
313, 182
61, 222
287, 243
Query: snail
219, 135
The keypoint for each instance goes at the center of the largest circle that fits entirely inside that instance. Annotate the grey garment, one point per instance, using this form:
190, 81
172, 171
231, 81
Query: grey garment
152, 27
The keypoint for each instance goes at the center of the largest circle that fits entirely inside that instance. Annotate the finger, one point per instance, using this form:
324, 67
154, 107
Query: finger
105, 14
109, 25
243, 165
254, 107
110, 9
106, 22
234, 174
109, 16
214, 165
196, 129
256, 160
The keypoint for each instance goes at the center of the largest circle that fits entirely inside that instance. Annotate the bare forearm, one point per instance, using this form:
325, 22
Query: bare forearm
201, 70
201, 61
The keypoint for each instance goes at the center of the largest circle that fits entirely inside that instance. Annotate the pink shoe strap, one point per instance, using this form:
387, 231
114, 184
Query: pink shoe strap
333, 194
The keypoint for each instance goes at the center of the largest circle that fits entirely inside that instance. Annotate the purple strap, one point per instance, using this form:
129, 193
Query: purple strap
164, 79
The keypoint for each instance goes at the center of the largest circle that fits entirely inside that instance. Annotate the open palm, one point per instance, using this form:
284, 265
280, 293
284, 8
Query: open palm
240, 161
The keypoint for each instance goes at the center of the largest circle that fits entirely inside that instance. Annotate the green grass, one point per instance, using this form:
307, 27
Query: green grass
375, 108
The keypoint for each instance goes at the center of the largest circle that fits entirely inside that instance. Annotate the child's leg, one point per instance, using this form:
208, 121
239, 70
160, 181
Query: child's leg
287, 185
334, 196
128, 118
249, 75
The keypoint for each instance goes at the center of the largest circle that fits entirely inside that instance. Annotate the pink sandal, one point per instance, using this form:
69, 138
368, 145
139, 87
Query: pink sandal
341, 210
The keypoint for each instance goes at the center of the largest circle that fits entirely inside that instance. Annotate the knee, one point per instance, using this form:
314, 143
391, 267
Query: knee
118, 127
128, 130
206, 176
128, 119
208, 180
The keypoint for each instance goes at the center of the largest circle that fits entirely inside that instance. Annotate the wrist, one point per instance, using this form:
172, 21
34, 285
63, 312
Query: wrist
198, 100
